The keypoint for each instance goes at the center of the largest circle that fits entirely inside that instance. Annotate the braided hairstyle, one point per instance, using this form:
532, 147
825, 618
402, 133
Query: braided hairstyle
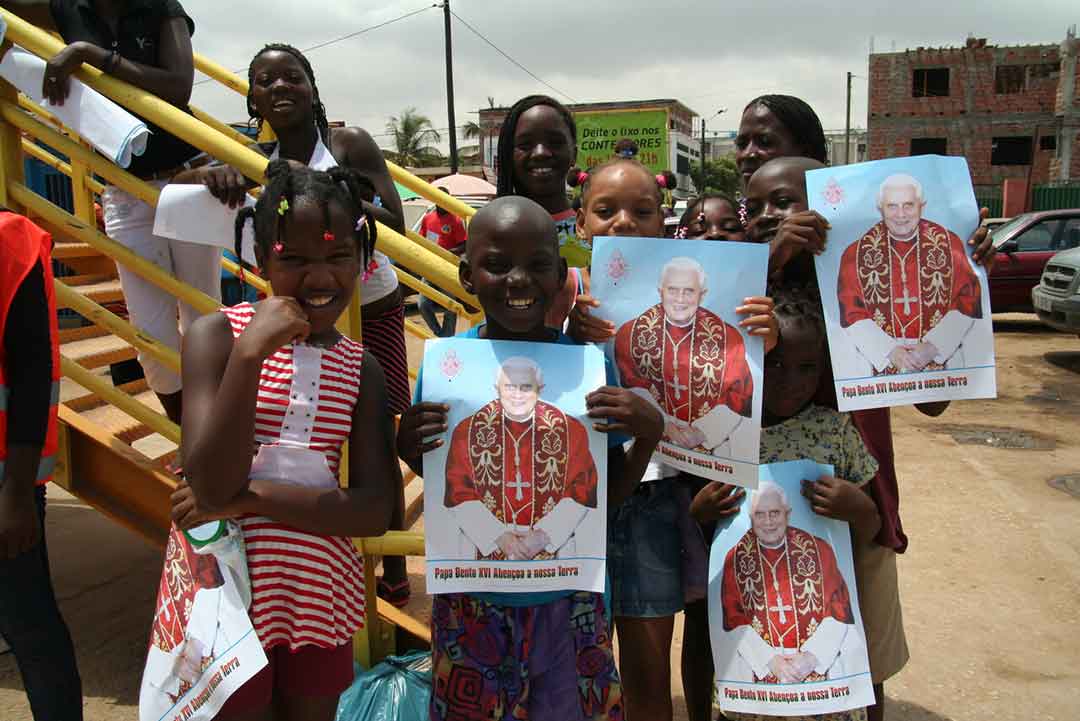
799, 306
698, 204
576, 177
799, 119
287, 184
505, 184
317, 107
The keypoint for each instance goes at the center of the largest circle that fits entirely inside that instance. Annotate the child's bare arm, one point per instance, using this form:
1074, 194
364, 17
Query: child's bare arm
836, 498
627, 412
362, 509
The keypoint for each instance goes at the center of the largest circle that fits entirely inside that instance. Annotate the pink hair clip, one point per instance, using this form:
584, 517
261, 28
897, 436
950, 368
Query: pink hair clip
582, 177
661, 180
361, 223
328, 236
278, 247
372, 266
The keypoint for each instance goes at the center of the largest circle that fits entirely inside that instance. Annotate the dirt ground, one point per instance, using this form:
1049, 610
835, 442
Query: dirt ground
989, 584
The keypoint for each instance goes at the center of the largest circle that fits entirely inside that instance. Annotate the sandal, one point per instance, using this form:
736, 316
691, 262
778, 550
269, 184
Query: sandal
396, 595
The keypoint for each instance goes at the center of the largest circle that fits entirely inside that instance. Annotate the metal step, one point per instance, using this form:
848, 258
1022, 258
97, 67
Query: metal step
98, 352
101, 293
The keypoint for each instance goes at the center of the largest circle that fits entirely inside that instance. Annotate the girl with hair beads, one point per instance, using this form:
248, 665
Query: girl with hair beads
521, 656
795, 428
276, 377
713, 216
282, 92
645, 533
537, 147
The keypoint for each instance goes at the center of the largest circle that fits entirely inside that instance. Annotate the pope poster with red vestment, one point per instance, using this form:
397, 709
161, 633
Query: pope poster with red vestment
908, 312
678, 344
516, 496
783, 607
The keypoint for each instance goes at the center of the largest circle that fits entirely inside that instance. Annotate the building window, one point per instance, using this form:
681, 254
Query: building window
1048, 142
930, 83
1009, 79
929, 146
1011, 151
1043, 70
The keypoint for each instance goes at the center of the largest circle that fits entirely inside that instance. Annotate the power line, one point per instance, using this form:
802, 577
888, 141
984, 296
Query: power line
497, 49
346, 37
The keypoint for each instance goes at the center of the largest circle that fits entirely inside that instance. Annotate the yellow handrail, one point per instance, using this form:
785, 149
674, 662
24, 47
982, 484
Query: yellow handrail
406, 278
393, 543
97, 315
231, 80
36, 151
65, 222
433, 247
155, 421
220, 73
154, 109
98, 163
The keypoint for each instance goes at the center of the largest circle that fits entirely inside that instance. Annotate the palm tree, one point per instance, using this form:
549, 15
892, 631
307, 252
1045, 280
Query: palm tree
412, 135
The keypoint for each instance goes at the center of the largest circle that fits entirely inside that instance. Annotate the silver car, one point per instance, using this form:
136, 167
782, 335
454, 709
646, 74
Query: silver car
1057, 296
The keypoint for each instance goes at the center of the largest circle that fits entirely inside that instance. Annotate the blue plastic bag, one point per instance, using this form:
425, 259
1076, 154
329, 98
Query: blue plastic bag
398, 689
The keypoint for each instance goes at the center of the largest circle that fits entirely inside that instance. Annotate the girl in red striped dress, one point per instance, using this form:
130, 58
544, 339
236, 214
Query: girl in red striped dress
274, 392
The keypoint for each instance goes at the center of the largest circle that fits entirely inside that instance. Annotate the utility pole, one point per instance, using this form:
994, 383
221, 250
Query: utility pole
847, 124
703, 146
450, 88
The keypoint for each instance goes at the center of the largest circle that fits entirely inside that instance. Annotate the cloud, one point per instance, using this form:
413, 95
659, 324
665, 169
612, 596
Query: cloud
710, 54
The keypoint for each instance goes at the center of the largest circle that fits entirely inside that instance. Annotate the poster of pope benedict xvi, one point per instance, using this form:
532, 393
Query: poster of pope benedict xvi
907, 311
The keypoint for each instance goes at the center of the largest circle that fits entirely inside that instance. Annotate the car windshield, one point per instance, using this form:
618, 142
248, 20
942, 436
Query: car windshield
1001, 232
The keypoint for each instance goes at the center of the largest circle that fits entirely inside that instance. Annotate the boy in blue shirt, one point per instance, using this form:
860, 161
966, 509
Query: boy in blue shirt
527, 655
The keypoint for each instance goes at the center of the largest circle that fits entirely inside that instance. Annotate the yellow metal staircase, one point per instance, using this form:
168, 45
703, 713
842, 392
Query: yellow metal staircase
116, 443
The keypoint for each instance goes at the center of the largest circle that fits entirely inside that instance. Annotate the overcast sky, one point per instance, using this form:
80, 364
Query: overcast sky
710, 54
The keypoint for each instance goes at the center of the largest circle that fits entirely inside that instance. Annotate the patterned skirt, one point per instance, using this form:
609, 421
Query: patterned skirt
385, 337
533, 663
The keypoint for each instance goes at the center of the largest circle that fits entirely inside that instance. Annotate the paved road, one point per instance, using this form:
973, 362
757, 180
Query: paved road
989, 584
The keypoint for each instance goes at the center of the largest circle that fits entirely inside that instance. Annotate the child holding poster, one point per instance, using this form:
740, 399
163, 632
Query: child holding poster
795, 428
648, 531
527, 655
277, 377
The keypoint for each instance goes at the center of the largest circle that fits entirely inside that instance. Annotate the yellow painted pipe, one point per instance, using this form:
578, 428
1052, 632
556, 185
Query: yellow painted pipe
98, 163
99, 316
36, 151
392, 543
424, 263
109, 393
223, 128
426, 190
433, 247
408, 279
220, 73
417, 330
69, 224
28, 104
154, 109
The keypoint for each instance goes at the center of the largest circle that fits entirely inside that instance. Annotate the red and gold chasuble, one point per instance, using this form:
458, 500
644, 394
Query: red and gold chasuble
689, 370
907, 287
783, 593
183, 574
520, 470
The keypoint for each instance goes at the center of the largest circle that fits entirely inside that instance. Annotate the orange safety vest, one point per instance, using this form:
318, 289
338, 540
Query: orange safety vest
22, 245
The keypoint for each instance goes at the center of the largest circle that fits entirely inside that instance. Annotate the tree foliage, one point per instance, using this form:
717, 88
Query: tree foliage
413, 136
720, 176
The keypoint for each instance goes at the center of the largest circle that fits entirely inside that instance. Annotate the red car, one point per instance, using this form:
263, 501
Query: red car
1024, 245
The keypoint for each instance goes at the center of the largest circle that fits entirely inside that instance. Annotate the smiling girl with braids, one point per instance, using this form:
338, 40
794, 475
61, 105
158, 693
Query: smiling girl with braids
278, 377
282, 93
